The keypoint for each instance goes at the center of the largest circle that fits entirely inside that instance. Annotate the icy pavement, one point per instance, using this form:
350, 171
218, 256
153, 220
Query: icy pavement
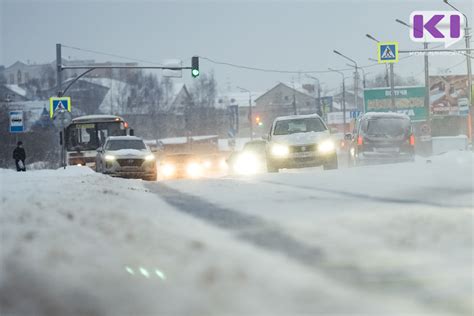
378, 240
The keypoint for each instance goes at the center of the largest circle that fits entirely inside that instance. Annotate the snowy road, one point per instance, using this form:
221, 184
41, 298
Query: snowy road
377, 240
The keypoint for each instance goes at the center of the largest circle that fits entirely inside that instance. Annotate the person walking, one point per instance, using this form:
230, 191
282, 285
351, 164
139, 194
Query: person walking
19, 155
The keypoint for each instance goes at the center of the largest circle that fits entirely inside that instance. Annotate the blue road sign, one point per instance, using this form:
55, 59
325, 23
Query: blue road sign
57, 104
16, 122
354, 114
387, 52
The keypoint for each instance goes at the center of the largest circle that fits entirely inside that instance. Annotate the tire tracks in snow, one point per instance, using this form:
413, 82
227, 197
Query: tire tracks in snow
270, 237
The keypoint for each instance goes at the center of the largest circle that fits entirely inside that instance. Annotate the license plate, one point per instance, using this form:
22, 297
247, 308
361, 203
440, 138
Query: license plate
387, 150
302, 154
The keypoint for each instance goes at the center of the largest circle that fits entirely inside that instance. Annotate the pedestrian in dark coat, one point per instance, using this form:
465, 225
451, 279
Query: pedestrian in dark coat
19, 155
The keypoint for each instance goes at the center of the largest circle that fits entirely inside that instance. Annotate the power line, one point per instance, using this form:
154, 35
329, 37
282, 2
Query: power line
110, 54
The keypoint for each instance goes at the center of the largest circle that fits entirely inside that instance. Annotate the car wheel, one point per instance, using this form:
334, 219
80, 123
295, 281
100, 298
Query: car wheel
331, 163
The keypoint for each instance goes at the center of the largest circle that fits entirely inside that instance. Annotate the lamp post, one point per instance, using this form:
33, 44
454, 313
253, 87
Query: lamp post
467, 37
356, 77
392, 83
343, 97
427, 76
250, 111
319, 93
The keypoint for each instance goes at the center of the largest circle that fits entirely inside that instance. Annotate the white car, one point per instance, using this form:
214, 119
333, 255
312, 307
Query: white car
126, 156
300, 141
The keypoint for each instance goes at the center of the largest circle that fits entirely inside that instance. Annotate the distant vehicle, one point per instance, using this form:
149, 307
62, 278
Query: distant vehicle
126, 156
87, 133
181, 165
213, 164
250, 160
381, 137
300, 141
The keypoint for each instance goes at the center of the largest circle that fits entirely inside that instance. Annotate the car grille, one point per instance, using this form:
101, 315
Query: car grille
302, 148
130, 162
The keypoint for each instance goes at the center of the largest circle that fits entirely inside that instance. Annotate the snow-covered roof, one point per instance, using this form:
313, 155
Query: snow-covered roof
386, 114
95, 117
238, 98
124, 138
294, 117
16, 89
183, 140
118, 91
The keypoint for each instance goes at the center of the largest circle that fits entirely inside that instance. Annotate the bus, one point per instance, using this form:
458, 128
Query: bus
85, 134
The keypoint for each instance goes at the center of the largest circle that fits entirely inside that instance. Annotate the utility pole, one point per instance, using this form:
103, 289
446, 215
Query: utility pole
427, 77
467, 37
250, 111
392, 75
59, 70
343, 98
386, 71
356, 78
318, 100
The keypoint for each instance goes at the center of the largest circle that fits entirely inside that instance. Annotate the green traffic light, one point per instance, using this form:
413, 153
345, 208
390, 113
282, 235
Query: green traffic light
195, 72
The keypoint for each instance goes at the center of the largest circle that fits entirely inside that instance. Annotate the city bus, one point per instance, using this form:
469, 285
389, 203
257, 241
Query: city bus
85, 134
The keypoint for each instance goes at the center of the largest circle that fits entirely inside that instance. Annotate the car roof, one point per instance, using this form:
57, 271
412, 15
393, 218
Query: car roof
295, 117
124, 138
370, 115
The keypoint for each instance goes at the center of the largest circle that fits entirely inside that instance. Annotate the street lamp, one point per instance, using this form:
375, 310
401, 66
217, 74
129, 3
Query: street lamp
427, 76
343, 97
250, 110
356, 77
467, 37
392, 84
319, 92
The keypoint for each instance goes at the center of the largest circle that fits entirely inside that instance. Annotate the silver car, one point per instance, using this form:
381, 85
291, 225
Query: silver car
126, 156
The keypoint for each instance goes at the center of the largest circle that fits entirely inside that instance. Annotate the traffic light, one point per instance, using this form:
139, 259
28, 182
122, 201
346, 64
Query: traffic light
195, 66
258, 121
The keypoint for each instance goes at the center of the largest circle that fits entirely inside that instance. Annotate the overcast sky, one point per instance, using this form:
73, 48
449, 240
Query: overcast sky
286, 35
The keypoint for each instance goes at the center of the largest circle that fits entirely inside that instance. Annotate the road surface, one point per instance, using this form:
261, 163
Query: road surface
377, 240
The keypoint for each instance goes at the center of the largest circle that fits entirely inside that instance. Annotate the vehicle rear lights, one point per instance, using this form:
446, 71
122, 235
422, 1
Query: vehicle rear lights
360, 140
412, 140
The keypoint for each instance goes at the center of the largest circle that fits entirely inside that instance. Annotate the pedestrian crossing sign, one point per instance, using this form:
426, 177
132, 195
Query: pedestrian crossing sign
59, 104
387, 52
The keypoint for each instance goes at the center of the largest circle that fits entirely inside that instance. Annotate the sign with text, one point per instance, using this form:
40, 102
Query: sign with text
408, 100
449, 95
16, 122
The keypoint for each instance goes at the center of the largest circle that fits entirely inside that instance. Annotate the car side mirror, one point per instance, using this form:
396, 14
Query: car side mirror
99, 150
348, 136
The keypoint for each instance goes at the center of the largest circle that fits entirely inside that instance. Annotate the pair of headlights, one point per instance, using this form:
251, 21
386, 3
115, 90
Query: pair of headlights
280, 150
193, 170
149, 157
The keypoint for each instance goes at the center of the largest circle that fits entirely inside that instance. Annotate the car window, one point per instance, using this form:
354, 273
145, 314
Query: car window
125, 144
304, 125
391, 127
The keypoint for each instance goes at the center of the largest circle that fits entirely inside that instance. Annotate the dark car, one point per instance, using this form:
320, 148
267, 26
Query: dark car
181, 165
381, 138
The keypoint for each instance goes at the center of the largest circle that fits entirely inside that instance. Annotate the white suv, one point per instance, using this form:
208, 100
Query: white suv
300, 141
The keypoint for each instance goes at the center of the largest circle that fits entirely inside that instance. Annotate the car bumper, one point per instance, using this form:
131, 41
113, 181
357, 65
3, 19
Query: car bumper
131, 172
369, 157
301, 162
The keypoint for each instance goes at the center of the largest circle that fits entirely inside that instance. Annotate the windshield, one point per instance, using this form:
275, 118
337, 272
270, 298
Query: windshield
386, 127
118, 144
305, 125
90, 136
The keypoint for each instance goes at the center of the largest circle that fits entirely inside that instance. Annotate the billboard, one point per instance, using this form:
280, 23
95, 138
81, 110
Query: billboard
408, 100
449, 95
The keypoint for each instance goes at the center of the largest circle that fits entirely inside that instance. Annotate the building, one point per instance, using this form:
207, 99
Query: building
284, 99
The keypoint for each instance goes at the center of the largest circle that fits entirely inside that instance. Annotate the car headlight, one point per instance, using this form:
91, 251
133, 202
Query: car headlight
150, 157
280, 150
193, 170
168, 170
246, 164
109, 157
326, 146
207, 164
